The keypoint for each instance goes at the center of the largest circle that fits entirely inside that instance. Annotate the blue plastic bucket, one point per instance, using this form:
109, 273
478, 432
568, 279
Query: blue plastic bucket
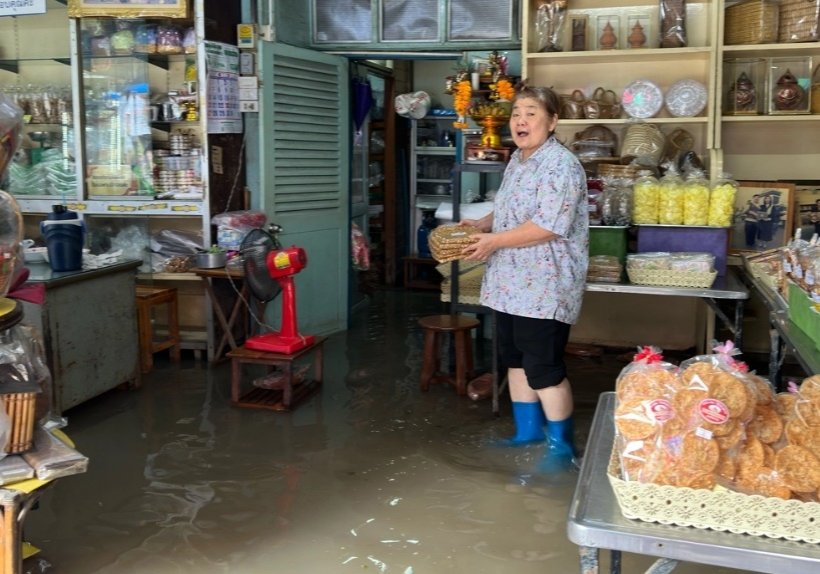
64, 243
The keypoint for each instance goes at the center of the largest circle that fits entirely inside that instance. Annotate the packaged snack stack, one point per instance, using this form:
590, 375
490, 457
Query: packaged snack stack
448, 241
604, 268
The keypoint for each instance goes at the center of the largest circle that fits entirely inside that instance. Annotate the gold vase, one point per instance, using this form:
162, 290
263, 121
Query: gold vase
490, 137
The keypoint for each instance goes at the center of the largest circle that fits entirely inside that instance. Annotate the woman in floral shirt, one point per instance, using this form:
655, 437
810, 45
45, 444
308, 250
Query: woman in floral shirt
535, 243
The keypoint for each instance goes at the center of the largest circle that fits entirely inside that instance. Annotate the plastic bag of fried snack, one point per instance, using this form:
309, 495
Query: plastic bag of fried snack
647, 376
643, 391
799, 465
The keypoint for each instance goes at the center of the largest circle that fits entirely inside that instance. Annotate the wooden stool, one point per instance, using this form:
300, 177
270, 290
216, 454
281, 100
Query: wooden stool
291, 391
147, 299
460, 326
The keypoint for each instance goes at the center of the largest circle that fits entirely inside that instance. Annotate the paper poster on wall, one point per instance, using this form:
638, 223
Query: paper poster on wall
222, 66
20, 7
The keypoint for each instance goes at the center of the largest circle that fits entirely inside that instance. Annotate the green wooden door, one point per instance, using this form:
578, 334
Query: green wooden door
304, 175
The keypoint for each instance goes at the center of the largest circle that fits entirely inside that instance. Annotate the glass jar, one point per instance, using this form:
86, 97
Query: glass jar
695, 199
670, 198
623, 207
608, 200
645, 194
617, 201
722, 201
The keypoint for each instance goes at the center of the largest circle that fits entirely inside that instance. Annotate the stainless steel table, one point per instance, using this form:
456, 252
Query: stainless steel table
784, 335
728, 288
595, 521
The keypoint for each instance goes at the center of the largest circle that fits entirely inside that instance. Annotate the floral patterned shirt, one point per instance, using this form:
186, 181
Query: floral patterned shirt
544, 281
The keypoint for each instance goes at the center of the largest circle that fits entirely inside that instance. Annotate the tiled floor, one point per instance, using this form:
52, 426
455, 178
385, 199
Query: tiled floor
368, 475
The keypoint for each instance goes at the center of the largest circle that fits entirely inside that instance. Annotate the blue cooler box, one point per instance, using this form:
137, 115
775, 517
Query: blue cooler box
686, 238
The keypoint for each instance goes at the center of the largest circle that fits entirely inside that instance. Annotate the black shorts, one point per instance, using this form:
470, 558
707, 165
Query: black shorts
536, 345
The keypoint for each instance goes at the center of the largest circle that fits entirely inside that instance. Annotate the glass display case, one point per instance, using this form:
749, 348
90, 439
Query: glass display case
140, 109
37, 76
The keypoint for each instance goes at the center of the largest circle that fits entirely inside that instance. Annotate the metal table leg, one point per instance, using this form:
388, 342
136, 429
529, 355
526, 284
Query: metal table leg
735, 324
662, 566
589, 560
495, 366
777, 353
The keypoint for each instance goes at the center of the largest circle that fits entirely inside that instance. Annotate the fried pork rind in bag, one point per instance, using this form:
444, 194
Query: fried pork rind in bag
717, 377
797, 461
699, 443
643, 391
647, 376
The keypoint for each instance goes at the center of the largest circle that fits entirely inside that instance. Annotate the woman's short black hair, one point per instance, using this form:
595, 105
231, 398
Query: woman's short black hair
545, 96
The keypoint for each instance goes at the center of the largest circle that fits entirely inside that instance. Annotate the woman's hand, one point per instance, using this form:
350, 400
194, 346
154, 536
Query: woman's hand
484, 245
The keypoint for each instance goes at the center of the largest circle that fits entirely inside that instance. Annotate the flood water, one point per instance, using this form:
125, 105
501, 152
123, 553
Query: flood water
367, 475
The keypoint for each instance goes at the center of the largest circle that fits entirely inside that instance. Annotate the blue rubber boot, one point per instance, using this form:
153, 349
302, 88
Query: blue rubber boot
529, 424
560, 455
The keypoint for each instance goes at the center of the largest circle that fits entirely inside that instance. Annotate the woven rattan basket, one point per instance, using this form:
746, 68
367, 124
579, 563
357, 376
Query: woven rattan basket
20, 409
667, 278
643, 141
751, 22
718, 509
799, 21
617, 170
469, 283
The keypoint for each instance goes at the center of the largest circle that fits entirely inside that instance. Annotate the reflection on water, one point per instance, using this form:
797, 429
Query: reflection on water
369, 475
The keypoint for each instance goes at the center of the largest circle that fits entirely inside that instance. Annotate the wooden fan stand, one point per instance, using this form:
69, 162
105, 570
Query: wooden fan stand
227, 323
290, 392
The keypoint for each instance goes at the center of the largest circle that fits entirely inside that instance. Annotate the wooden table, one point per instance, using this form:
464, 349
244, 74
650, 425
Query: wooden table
236, 277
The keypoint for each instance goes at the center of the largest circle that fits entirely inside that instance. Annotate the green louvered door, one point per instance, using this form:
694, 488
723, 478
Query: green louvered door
304, 159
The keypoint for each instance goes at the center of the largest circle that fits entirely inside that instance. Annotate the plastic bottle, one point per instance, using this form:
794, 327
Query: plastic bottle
696, 199
670, 198
645, 194
722, 201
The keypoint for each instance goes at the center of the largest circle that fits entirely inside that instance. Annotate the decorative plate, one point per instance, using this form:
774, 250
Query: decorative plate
642, 99
686, 98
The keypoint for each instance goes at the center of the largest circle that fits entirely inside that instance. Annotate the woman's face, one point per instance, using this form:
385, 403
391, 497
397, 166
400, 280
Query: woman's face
530, 125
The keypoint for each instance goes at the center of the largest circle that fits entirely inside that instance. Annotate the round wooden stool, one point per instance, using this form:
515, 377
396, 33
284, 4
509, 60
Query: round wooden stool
460, 327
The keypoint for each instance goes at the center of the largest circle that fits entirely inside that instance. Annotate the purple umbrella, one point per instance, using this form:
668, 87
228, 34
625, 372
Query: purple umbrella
362, 101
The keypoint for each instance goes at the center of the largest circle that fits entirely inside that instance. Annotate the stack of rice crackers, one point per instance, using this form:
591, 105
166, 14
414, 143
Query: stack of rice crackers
448, 241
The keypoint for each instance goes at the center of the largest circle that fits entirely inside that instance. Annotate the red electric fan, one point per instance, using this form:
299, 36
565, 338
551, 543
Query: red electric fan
269, 269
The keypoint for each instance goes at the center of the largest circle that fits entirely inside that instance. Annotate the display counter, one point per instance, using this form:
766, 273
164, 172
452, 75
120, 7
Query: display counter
89, 325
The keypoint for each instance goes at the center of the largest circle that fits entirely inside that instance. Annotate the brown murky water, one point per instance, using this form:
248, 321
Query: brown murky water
368, 475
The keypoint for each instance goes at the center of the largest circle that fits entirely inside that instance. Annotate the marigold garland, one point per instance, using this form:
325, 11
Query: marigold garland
505, 89
461, 102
